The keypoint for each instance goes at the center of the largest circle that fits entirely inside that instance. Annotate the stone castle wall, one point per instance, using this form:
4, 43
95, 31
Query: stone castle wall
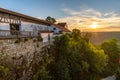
20, 47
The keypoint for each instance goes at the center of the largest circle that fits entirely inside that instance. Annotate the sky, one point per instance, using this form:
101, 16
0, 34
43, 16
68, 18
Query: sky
86, 15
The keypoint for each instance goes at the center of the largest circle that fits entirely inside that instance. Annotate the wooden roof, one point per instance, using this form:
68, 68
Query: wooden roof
24, 17
62, 28
62, 24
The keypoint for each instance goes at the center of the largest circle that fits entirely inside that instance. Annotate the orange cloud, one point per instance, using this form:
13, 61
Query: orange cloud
82, 19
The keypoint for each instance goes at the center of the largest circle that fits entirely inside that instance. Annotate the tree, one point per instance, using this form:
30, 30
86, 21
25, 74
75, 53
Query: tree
112, 49
50, 19
75, 58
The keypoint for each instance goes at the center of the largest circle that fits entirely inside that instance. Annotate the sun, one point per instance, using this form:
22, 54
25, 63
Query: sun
94, 25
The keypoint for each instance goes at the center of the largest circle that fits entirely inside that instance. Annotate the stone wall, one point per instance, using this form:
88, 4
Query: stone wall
20, 47
21, 56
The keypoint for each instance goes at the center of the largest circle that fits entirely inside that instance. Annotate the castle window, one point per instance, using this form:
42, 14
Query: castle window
54, 28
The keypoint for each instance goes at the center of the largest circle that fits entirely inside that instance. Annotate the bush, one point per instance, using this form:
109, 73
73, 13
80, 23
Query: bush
26, 39
18, 41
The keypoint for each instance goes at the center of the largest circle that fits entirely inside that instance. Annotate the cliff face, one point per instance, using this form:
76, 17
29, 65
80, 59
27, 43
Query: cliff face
19, 57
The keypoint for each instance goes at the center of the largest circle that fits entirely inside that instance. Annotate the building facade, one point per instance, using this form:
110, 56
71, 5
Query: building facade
17, 25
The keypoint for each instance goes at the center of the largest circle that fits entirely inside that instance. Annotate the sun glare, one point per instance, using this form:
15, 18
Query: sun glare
94, 25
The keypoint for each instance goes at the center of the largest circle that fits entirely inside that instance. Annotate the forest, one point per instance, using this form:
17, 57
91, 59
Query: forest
70, 57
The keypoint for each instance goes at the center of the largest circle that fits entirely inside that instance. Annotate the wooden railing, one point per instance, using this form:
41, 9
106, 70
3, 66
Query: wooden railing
17, 34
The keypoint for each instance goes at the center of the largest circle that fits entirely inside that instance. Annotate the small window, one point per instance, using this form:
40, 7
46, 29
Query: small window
14, 29
54, 28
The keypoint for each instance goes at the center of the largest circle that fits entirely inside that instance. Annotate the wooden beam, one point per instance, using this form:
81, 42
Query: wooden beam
7, 18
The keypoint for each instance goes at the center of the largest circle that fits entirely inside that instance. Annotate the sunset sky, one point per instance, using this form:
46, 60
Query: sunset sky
104, 15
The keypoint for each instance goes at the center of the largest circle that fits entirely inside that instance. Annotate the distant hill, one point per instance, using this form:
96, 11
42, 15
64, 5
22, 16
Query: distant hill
99, 37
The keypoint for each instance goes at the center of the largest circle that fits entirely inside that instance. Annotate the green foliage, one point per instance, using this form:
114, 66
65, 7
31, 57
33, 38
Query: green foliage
4, 73
118, 75
76, 35
42, 74
50, 19
26, 39
75, 58
87, 36
18, 41
112, 49
40, 38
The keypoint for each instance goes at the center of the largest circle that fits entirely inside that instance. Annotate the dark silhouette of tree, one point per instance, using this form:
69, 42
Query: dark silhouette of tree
50, 19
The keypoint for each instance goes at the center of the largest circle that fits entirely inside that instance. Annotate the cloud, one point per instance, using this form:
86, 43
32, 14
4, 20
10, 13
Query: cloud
110, 14
83, 18
88, 12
